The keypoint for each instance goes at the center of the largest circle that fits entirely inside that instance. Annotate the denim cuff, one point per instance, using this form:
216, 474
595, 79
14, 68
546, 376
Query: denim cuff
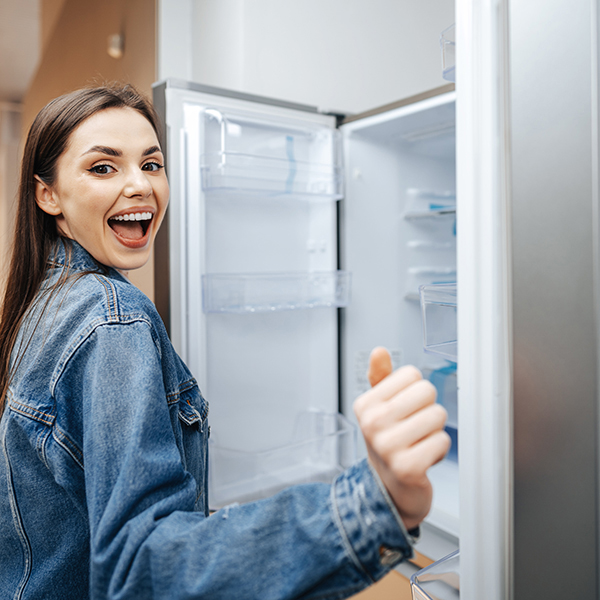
371, 528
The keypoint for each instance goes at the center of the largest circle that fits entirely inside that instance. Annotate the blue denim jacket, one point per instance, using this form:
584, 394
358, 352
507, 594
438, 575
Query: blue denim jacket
103, 471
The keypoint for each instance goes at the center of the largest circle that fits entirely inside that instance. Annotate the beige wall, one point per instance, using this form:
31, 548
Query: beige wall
74, 38
10, 138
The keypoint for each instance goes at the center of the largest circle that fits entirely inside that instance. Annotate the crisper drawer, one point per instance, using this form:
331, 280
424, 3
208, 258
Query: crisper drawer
266, 155
321, 446
438, 307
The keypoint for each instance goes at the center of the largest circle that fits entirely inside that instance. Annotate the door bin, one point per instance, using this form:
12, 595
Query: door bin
438, 581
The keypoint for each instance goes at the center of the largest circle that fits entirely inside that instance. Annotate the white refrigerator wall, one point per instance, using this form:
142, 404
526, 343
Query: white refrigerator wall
345, 55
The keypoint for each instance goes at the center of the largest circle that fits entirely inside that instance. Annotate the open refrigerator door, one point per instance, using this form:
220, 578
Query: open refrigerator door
398, 234
255, 285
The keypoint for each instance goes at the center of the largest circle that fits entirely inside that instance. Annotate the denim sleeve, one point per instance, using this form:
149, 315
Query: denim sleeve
310, 541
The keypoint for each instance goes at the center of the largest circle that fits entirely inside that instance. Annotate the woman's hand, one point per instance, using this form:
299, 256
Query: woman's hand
404, 432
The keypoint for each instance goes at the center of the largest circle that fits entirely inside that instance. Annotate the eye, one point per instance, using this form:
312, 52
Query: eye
102, 169
152, 166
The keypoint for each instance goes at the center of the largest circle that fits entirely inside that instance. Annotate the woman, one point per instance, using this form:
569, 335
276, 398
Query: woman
104, 431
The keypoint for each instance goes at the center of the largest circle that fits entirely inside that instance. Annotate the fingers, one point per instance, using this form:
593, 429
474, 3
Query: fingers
380, 365
382, 415
388, 388
409, 432
413, 463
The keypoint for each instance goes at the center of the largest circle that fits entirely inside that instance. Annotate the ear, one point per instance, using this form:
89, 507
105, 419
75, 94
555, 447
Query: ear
45, 198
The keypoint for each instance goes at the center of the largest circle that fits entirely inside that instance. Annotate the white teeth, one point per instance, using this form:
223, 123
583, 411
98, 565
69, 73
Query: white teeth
145, 216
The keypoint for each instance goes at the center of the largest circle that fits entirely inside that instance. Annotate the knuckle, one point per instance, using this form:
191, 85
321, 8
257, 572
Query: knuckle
427, 389
412, 372
404, 469
381, 445
368, 426
445, 441
439, 413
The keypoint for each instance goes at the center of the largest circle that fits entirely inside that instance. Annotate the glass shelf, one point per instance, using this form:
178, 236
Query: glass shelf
431, 214
439, 581
438, 309
322, 446
447, 42
266, 292
247, 154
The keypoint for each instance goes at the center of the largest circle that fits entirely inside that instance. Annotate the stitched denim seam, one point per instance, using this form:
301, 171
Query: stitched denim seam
110, 295
30, 412
41, 442
68, 445
18, 523
346, 542
71, 350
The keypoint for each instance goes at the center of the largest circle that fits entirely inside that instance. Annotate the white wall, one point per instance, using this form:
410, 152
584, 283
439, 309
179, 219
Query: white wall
346, 55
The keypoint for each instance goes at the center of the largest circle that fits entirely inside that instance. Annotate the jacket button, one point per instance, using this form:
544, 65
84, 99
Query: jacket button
388, 556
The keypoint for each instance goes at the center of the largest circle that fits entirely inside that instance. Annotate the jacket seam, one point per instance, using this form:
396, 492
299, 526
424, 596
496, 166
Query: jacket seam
186, 386
71, 350
68, 445
18, 523
30, 412
111, 295
345, 541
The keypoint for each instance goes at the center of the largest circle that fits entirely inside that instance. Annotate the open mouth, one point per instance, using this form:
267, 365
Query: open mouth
131, 227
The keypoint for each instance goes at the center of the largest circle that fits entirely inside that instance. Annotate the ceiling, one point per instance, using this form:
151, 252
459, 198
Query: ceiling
19, 46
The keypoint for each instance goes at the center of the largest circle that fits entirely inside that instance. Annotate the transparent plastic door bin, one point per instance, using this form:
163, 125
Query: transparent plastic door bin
266, 292
322, 446
438, 581
438, 309
447, 42
263, 154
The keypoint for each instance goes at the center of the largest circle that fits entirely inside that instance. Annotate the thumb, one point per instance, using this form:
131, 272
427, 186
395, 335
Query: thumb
380, 365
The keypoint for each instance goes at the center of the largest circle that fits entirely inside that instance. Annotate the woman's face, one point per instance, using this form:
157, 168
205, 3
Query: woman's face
110, 192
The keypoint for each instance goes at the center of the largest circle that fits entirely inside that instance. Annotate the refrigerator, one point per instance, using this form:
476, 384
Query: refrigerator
295, 243
283, 262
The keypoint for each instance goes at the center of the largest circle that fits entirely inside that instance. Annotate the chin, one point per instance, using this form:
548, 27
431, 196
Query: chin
130, 264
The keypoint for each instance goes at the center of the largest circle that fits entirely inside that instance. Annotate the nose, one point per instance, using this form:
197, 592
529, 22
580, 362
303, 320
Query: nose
137, 184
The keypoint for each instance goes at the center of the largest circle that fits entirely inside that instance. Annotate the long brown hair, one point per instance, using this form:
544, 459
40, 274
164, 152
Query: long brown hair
35, 231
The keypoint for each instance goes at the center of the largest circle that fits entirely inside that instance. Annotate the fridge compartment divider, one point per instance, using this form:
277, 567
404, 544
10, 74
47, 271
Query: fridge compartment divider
252, 174
448, 46
323, 445
438, 310
266, 292
438, 581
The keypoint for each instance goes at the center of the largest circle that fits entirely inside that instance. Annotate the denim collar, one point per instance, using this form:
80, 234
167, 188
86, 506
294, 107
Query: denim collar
69, 253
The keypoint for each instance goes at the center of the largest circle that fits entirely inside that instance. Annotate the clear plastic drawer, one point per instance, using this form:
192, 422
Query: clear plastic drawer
245, 153
438, 581
438, 309
321, 447
265, 292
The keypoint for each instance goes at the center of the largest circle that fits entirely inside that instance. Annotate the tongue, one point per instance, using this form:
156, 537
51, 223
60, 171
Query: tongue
131, 230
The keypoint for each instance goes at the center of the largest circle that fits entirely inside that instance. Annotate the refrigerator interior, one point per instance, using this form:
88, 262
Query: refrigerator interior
259, 288
399, 233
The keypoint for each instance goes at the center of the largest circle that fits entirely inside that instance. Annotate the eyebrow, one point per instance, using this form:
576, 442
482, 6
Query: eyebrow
113, 152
